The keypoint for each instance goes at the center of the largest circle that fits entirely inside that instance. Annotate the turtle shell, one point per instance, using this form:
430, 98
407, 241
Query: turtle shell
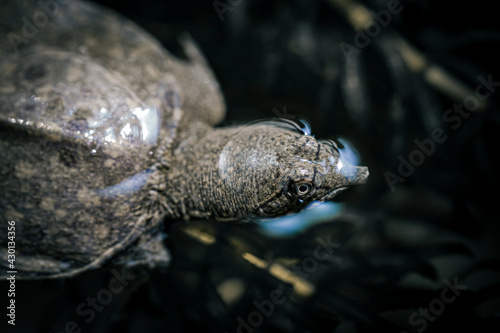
90, 107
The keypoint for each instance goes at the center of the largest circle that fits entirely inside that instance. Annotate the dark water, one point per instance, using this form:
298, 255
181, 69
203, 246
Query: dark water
416, 249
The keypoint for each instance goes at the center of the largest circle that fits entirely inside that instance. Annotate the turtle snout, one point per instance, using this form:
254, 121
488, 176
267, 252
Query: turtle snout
347, 176
355, 175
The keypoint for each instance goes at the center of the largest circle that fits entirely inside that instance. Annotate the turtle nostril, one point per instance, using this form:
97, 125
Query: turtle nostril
358, 175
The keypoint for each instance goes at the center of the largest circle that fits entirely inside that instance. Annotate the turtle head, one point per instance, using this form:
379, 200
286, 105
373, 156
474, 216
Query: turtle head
271, 169
264, 169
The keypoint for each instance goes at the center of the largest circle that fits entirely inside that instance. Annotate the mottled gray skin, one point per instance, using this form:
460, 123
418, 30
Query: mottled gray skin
256, 171
104, 134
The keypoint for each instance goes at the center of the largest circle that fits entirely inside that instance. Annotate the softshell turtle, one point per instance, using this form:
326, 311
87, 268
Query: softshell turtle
104, 134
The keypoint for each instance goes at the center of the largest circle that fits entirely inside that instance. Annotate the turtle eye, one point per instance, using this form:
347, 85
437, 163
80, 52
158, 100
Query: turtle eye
301, 189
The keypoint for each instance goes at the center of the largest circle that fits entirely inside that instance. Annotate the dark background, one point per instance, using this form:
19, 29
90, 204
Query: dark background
396, 248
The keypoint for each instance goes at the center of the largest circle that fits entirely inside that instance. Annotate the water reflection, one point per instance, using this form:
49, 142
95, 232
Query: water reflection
286, 226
